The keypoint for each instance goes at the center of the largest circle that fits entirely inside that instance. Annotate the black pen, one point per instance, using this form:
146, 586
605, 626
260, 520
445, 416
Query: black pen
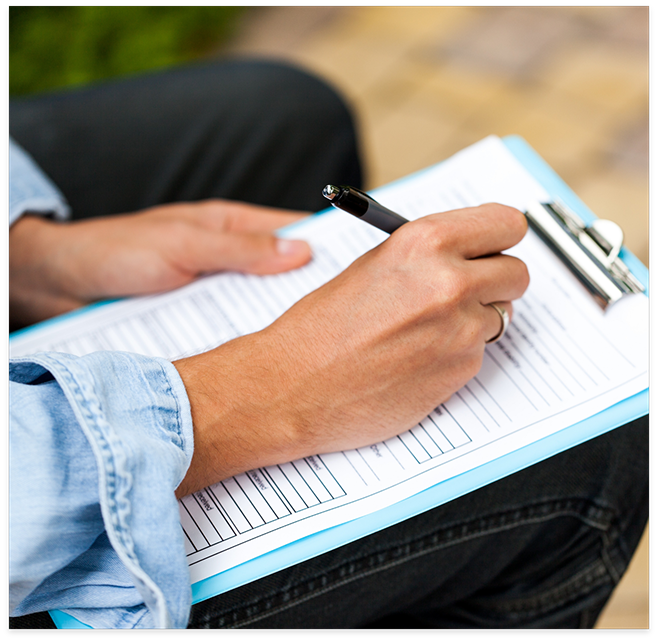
359, 204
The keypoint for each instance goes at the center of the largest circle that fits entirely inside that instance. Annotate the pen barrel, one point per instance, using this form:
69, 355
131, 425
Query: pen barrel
352, 201
382, 218
359, 204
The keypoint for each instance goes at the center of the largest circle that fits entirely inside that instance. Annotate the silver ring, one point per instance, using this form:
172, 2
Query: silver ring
504, 322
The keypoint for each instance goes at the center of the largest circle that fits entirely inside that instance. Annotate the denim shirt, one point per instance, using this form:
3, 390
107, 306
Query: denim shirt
97, 446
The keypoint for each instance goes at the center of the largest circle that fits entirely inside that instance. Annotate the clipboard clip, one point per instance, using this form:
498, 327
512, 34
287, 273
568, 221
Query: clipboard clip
591, 252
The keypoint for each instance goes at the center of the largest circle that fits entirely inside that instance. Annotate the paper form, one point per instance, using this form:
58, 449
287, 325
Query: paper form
561, 360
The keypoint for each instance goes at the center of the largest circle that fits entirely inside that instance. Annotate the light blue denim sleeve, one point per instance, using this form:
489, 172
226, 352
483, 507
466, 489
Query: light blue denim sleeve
98, 445
30, 189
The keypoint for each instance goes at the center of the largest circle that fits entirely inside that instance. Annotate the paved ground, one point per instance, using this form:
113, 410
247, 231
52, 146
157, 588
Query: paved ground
427, 81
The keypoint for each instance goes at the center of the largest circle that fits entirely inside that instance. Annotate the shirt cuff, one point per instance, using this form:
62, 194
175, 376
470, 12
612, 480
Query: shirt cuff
30, 190
135, 414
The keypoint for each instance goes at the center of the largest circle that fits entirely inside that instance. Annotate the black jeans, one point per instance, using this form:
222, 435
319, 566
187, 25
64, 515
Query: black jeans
542, 548
253, 131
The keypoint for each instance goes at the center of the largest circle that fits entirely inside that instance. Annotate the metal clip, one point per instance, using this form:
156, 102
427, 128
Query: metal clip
591, 252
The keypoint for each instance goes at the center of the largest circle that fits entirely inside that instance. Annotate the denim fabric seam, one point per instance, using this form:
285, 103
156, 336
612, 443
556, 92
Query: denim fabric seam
609, 563
109, 473
179, 431
110, 466
593, 575
436, 543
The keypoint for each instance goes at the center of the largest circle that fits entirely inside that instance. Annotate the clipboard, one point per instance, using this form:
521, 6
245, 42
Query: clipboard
634, 278
624, 412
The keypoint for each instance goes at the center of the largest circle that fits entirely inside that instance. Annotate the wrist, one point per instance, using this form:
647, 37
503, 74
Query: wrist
35, 271
238, 406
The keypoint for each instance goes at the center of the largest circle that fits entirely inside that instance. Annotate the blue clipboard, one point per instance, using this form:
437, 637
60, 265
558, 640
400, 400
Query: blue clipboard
326, 540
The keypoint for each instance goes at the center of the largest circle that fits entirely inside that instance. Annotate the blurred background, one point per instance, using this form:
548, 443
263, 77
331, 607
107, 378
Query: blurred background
423, 82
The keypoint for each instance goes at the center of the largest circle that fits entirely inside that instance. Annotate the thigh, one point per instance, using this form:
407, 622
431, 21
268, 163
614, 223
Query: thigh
36, 621
256, 131
541, 548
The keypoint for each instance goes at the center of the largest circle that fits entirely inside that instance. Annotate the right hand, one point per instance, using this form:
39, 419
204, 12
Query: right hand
363, 358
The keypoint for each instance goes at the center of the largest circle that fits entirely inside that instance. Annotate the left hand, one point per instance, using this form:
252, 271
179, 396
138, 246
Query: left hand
56, 267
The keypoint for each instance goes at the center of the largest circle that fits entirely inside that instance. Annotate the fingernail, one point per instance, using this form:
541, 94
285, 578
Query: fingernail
286, 247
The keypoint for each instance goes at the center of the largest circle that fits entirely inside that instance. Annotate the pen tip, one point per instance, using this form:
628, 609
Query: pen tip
330, 192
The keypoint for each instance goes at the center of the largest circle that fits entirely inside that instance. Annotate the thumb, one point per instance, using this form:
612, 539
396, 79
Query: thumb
250, 253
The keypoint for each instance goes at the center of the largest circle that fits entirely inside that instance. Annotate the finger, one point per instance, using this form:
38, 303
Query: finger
498, 277
494, 325
245, 218
251, 253
482, 231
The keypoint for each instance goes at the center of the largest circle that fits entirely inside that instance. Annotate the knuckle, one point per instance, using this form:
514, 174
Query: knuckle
453, 287
415, 238
422, 228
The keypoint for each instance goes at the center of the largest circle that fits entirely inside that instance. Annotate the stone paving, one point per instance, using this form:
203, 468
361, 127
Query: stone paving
427, 81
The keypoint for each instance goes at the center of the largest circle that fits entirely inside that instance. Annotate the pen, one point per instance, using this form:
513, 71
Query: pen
359, 204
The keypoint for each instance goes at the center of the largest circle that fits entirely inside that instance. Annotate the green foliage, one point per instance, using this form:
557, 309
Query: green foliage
52, 47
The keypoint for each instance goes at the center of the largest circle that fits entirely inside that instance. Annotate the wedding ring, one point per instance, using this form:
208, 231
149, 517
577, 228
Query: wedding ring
504, 322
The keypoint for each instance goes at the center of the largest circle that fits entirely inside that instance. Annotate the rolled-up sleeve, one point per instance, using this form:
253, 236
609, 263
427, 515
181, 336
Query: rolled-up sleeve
30, 190
98, 445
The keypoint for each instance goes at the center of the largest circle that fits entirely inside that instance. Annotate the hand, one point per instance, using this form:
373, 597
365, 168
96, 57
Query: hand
363, 358
56, 267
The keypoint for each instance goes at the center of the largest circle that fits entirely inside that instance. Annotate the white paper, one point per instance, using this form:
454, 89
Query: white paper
561, 361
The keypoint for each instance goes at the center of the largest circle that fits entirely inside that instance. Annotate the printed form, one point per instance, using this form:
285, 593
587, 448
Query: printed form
561, 361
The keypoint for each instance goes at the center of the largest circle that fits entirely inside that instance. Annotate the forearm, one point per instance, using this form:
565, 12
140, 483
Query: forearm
233, 401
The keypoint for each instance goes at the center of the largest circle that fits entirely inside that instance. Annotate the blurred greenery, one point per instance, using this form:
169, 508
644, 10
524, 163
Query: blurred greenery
52, 47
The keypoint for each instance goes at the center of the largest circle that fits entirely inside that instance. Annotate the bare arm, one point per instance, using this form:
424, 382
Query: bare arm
357, 361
